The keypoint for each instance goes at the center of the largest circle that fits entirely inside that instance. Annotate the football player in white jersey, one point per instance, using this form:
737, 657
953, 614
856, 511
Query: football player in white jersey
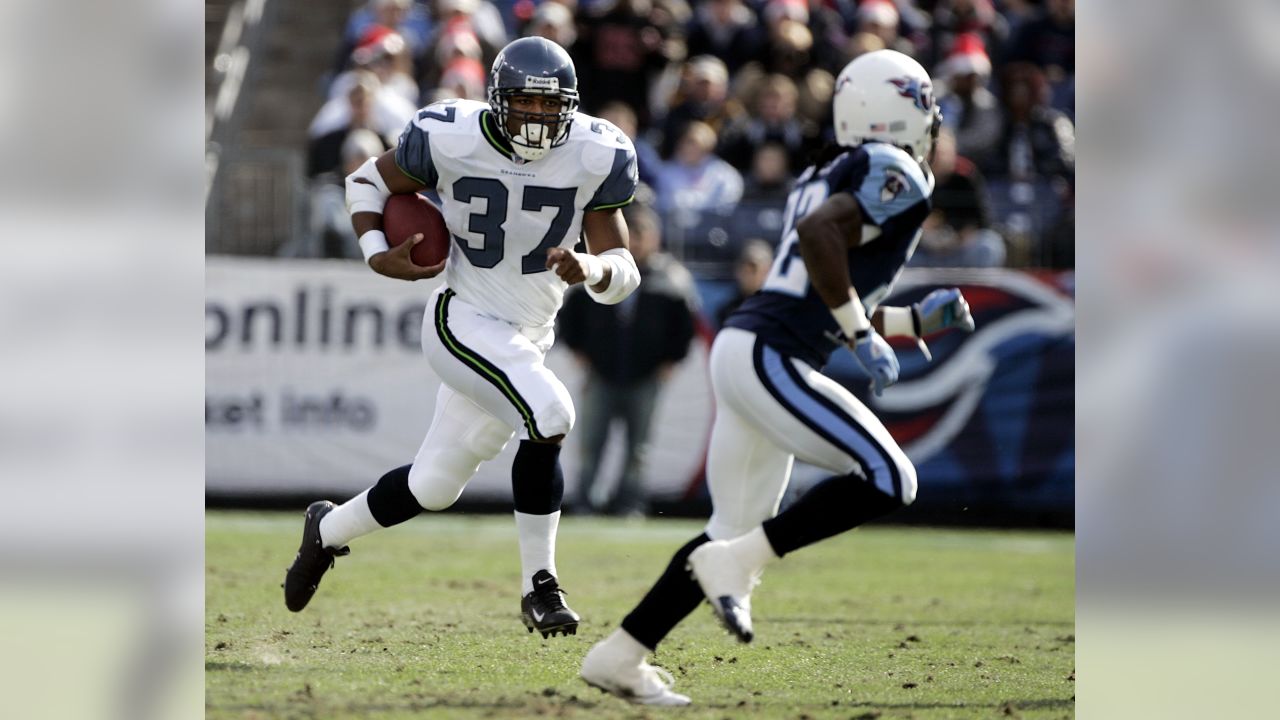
851, 224
520, 178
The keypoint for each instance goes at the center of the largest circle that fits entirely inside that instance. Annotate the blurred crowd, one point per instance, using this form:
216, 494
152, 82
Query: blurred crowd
727, 100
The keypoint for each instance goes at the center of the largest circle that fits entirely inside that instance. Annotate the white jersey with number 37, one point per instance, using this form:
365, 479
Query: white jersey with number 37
505, 213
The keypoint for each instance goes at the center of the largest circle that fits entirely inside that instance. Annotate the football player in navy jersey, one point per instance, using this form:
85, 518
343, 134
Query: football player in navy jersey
852, 222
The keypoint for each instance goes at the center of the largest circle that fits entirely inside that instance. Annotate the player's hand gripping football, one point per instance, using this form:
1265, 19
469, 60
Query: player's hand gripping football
939, 310
398, 262
877, 358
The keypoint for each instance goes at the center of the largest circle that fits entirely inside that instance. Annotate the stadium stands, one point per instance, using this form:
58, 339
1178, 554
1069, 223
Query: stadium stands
258, 197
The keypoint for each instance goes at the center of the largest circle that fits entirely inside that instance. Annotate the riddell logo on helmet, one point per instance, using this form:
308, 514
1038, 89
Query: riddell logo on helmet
919, 92
541, 83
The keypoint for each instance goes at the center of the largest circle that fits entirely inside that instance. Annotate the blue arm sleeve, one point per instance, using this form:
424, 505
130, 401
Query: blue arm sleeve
619, 188
413, 155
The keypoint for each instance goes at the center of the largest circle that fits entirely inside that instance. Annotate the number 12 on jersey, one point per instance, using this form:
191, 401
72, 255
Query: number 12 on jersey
788, 274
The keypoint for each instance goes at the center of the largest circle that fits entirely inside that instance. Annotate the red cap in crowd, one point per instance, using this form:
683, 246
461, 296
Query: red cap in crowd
968, 55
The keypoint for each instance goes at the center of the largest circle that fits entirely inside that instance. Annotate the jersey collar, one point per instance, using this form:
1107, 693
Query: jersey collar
497, 141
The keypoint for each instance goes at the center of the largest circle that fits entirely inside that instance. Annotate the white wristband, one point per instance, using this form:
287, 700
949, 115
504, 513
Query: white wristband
851, 317
592, 267
372, 243
624, 277
897, 321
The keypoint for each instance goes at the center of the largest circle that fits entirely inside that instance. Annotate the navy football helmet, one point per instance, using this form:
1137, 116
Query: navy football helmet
533, 66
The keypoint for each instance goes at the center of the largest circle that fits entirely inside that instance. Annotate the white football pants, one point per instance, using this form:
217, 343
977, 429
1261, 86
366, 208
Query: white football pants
771, 409
498, 365
495, 385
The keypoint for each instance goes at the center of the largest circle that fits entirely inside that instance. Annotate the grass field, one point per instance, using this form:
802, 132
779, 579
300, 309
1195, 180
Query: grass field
422, 621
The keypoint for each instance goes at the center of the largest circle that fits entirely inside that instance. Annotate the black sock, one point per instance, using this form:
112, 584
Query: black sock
829, 508
670, 600
537, 482
390, 501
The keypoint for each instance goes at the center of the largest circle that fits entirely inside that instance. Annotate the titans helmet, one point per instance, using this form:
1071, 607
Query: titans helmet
886, 96
533, 66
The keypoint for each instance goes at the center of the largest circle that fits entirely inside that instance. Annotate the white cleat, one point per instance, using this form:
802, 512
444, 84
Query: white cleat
642, 683
727, 585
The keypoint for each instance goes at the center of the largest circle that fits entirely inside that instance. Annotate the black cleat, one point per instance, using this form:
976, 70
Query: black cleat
727, 586
735, 616
544, 609
313, 559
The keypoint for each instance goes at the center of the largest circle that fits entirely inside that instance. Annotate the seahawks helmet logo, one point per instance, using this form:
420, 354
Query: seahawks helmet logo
920, 92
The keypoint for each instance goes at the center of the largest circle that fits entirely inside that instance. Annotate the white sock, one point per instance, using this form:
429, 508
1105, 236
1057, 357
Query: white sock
537, 546
625, 648
753, 549
347, 522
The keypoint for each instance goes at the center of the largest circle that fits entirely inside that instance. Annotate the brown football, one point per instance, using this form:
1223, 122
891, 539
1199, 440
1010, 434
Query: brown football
407, 215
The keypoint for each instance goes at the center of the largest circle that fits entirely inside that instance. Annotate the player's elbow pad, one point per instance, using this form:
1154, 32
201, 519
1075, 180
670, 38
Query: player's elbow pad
624, 277
366, 190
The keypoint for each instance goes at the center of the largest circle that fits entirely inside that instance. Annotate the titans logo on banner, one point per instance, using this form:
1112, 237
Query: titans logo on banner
990, 422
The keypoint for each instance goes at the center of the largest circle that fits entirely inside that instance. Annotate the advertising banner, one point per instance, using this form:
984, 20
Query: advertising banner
990, 422
316, 384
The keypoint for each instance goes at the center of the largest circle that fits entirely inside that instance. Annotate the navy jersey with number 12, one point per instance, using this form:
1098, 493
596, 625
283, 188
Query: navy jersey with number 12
893, 191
